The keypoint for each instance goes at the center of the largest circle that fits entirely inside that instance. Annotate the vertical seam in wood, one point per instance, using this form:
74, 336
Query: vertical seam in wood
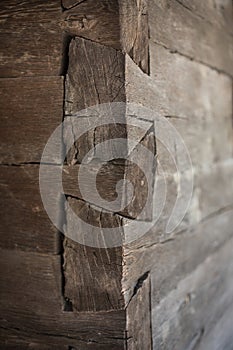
67, 303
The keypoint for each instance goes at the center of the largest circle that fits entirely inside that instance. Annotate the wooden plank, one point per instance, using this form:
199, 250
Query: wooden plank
215, 188
31, 284
174, 82
181, 319
135, 31
107, 178
173, 259
218, 12
190, 35
96, 20
101, 71
220, 336
92, 275
25, 224
67, 330
126, 23
139, 316
32, 303
140, 171
109, 174
30, 38
31, 109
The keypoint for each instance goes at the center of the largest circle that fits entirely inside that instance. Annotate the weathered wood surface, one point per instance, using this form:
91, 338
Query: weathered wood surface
92, 275
220, 335
126, 23
91, 278
31, 285
31, 307
68, 4
174, 259
102, 330
30, 38
31, 109
17, 340
180, 30
134, 31
140, 171
135, 170
96, 20
215, 187
181, 319
101, 71
175, 82
139, 316
219, 13
25, 224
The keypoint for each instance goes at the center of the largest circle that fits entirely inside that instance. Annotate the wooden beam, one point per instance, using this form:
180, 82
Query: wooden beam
31, 109
30, 38
25, 224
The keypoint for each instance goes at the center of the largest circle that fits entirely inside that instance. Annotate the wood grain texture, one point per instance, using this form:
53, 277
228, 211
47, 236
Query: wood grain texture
126, 23
190, 35
188, 312
25, 224
67, 4
101, 335
31, 284
31, 308
31, 109
102, 330
219, 12
139, 317
92, 275
30, 38
96, 20
101, 71
174, 259
135, 31
138, 171
173, 84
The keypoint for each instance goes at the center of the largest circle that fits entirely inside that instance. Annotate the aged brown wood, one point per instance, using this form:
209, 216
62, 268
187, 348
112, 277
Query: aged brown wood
190, 270
110, 173
24, 223
89, 19
38, 100
127, 23
92, 275
25, 303
107, 178
31, 284
67, 4
99, 330
101, 71
135, 31
30, 38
